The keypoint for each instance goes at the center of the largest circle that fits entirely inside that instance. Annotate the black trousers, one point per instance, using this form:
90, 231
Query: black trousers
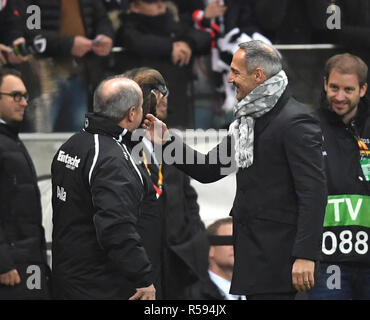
272, 296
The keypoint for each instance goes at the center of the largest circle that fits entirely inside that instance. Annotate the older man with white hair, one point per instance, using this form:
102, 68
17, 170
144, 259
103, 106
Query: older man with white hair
97, 193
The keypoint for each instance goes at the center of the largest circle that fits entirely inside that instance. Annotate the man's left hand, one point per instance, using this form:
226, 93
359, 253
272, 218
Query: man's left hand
303, 274
102, 45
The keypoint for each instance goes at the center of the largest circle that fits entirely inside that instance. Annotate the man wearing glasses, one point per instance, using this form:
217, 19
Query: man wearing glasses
22, 241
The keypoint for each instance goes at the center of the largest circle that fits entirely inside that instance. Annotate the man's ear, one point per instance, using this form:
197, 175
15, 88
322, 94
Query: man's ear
325, 84
131, 114
260, 76
211, 252
363, 89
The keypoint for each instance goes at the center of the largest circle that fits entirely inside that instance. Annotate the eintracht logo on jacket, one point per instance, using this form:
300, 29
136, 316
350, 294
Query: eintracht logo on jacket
71, 162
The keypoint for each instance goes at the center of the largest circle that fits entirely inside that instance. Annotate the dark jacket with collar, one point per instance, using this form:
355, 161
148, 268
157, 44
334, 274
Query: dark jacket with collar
183, 246
97, 197
346, 181
22, 241
204, 289
280, 200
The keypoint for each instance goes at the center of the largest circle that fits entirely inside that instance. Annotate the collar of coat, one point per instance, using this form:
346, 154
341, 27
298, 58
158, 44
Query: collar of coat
10, 130
98, 124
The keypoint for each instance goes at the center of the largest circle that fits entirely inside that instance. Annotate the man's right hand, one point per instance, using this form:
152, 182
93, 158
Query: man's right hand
147, 293
10, 278
81, 46
156, 129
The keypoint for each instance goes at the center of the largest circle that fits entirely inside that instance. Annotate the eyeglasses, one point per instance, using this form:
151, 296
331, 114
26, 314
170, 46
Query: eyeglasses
164, 90
16, 95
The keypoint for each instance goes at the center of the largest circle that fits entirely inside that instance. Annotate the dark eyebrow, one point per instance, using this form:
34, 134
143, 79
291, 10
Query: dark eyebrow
335, 85
18, 91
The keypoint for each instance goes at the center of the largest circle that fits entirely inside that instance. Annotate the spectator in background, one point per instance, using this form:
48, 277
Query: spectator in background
183, 247
79, 35
22, 241
216, 286
114, 9
11, 33
116, 4
153, 35
230, 22
187, 9
13, 26
345, 122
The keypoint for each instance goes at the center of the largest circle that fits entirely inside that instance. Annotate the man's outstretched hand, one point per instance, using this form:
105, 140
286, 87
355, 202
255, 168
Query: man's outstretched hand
156, 129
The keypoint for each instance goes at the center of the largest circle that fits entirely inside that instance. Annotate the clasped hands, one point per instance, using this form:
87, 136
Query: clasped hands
101, 45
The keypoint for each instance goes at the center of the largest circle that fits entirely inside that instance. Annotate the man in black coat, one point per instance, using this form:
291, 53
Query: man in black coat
281, 187
97, 196
22, 241
181, 253
345, 123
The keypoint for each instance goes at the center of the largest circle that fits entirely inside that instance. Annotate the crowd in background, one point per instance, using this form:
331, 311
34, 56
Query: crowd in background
190, 42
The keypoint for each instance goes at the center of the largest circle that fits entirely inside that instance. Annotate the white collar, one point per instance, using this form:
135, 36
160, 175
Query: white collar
148, 144
150, 148
2, 121
224, 286
122, 135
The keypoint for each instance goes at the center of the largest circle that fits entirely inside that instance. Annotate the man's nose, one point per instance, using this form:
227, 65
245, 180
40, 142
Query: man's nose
23, 102
340, 95
230, 78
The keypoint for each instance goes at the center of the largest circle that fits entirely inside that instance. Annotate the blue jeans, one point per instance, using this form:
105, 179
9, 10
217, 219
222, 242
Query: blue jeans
69, 105
342, 282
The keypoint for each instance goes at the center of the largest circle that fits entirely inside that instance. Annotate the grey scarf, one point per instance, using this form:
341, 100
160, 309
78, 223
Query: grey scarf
258, 102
